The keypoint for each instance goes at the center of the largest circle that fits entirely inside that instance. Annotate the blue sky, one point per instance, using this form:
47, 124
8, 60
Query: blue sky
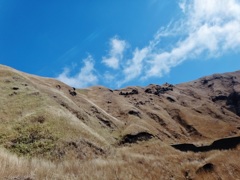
118, 43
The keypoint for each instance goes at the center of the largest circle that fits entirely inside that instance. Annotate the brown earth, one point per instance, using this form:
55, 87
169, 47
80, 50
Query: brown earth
117, 134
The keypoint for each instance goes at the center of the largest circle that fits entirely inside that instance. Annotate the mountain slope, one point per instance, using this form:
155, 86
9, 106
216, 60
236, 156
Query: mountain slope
177, 113
46, 119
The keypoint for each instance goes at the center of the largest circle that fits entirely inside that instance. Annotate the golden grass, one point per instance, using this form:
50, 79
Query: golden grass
43, 139
125, 164
33, 124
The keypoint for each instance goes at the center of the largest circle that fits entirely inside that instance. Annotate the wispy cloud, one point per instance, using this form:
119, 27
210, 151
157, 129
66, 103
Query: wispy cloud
206, 27
134, 66
211, 27
115, 54
85, 77
182, 5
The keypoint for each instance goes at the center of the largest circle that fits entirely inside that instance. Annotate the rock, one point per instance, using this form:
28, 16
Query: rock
170, 99
233, 102
209, 167
148, 90
73, 93
157, 90
134, 91
133, 138
204, 81
15, 88
135, 113
219, 98
58, 86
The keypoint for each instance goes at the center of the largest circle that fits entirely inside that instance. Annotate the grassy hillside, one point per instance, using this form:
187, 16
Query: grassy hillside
49, 130
33, 123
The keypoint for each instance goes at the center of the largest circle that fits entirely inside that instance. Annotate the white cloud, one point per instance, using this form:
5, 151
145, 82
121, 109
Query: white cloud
206, 29
210, 26
115, 54
134, 66
85, 77
182, 5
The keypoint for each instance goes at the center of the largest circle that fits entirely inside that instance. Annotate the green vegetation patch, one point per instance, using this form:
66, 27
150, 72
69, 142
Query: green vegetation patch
31, 138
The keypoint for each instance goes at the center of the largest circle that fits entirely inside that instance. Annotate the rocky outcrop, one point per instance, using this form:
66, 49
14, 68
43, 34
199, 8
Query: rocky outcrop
134, 138
134, 91
157, 90
208, 167
233, 102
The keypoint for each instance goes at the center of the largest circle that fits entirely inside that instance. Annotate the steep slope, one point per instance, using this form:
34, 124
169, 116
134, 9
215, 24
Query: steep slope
207, 108
118, 134
38, 112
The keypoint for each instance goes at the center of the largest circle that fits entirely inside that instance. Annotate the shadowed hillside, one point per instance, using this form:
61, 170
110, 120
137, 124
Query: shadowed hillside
220, 144
117, 134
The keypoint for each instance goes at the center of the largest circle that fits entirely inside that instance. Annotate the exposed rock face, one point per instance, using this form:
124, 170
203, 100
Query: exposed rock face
133, 138
209, 167
233, 102
134, 91
157, 90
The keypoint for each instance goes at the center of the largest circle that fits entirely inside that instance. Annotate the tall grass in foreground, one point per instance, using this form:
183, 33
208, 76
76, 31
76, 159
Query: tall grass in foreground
124, 164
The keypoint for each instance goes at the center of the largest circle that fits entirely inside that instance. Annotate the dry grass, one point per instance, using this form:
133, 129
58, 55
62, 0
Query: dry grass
124, 164
45, 133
